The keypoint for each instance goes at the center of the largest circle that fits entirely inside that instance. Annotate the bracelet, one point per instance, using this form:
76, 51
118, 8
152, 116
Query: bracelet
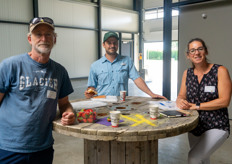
198, 106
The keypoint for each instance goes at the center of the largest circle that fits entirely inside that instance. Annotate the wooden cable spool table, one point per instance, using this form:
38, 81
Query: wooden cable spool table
135, 141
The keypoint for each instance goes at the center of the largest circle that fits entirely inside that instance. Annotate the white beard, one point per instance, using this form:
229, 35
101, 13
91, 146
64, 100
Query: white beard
43, 49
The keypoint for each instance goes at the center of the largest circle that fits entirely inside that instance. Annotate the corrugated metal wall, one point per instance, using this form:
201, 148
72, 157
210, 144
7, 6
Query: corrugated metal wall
13, 37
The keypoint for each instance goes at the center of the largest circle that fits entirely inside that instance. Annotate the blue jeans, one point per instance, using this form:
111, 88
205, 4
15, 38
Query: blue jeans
40, 157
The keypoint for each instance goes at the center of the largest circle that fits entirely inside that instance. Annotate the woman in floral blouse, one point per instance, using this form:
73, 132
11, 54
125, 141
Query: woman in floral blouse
205, 87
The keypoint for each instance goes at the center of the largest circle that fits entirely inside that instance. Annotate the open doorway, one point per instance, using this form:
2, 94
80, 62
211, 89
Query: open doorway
127, 48
153, 65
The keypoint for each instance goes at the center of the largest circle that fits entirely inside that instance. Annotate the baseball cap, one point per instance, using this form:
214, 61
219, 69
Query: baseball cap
40, 20
110, 34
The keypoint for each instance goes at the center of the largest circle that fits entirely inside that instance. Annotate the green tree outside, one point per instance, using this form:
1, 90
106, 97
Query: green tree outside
158, 55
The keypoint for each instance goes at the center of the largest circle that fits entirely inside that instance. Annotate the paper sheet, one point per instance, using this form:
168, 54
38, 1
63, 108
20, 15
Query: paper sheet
87, 104
165, 105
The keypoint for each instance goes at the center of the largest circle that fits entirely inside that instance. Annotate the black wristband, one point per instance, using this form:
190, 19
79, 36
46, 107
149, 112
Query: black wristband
198, 106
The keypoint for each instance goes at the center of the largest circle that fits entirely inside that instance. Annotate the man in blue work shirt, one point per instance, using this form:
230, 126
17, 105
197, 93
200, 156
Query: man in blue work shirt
109, 75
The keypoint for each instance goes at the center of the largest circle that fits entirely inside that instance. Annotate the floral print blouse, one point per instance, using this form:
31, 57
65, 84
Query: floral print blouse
206, 90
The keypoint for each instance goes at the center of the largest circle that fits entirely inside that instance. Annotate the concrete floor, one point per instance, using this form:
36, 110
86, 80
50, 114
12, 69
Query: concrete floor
173, 150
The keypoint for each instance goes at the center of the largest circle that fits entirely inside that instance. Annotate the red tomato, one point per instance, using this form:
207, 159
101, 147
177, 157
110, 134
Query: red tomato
90, 110
89, 120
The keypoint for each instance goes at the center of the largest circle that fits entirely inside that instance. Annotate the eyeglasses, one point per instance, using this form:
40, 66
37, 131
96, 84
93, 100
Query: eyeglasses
193, 51
41, 19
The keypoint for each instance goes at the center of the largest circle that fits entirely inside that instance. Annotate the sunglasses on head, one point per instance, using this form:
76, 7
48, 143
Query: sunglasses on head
41, 19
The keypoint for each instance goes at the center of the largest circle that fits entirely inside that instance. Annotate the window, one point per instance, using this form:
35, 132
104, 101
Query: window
158, 13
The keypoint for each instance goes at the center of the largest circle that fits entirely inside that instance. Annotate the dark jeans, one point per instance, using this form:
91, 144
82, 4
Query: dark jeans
40, 157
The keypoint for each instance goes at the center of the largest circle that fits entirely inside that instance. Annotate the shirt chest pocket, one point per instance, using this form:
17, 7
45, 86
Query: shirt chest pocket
103, 78
122, 75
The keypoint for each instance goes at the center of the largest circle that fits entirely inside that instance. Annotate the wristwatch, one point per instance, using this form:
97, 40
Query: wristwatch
198, 106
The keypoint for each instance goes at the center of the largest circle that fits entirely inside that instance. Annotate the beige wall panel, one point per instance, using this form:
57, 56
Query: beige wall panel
76, 50
13, 40
152, 3
125, 4
126, 36
69, 13
153, 29
215, 30
157, 36
113, 19
153, 25
16, 10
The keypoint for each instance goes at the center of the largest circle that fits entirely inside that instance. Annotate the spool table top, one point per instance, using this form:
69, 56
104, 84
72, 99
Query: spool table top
136, 126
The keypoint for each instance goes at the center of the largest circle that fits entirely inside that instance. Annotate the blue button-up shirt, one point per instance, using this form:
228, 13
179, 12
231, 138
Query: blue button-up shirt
111, 78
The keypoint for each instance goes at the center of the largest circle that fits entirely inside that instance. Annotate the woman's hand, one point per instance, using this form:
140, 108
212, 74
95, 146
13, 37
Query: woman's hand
183, 104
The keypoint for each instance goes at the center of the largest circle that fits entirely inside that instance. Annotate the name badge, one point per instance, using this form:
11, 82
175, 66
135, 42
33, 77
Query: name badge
51, 94
210, 89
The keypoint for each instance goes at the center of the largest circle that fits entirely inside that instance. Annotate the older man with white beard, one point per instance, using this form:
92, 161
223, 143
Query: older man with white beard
31, 86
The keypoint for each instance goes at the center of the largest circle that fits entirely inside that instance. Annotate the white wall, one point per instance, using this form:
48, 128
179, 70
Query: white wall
72, 50
157, 36
124, 4
14, 36
119, 20
13, 40
69, 13
215, 31
76, 49
13, 10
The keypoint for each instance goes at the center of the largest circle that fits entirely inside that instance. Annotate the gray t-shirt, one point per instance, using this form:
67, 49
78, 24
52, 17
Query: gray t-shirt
29, 106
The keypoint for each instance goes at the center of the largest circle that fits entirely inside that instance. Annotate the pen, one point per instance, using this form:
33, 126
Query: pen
162, 104
165, 105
